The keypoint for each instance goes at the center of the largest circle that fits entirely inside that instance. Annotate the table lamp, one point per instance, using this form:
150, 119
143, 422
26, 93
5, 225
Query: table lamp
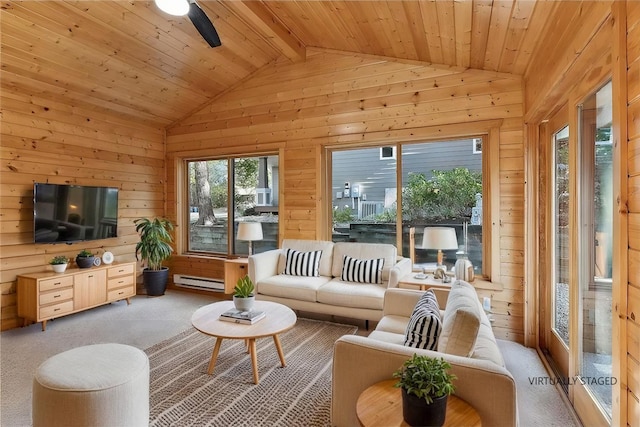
250, 231
440, 238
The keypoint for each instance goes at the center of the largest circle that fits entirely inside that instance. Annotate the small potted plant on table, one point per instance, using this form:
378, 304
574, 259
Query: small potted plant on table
84, 259
59, 263
426, 384
243, 297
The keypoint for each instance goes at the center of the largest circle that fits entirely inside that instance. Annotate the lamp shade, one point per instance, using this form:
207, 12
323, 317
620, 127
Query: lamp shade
250, 231
443, 238
173, 7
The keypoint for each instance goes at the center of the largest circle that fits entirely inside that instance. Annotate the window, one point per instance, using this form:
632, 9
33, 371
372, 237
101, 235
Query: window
441, 185
388, 153
477, 145
242, 188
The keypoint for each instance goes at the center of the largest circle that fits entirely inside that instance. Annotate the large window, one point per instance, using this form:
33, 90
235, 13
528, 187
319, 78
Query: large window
225, 192
441, 186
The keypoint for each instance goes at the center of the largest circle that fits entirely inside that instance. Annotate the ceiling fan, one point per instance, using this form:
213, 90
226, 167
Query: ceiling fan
196, 15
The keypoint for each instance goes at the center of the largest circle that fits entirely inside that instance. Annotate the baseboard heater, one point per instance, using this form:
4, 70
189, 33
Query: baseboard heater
204, 283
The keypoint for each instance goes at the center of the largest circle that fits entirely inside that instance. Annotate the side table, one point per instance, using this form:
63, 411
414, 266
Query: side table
234, 269
410, 282
380, 405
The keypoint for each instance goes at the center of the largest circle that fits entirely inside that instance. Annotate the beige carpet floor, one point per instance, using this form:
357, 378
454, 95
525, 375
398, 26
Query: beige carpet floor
149, 321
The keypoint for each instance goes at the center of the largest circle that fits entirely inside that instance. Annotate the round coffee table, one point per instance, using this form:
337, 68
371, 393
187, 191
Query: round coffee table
278, 319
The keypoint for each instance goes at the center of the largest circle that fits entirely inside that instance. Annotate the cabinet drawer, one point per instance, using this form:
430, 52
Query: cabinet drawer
121, 293
121, 270
56, 283
56, 296
56, 309
119, 282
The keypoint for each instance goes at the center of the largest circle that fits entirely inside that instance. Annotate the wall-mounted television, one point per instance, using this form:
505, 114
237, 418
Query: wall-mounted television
74, 213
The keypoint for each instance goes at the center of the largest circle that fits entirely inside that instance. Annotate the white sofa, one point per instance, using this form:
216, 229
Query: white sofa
482, 379
327, 293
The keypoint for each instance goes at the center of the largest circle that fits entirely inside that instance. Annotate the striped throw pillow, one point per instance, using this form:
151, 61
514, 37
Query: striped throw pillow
362, 270
302, 263
424, 325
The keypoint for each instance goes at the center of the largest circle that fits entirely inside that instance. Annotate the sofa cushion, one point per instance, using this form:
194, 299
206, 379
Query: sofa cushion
387, 337
347, 294
461, 321
292, 287
363, 251
424, 324
362, 270
326, 247
300, 263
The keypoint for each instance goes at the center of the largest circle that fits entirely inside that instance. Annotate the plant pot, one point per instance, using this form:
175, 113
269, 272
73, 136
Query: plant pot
59, 268
417, 412
84, 261
155, 281
244, 304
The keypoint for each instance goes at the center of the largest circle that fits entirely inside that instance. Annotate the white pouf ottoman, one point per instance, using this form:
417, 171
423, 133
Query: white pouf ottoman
94, 385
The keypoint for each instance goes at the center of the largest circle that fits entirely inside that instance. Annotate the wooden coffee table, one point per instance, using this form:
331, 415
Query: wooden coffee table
381, 406
278, 319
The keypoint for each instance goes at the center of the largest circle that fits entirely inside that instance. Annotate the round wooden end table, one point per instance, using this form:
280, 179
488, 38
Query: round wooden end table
278, 319
381, 406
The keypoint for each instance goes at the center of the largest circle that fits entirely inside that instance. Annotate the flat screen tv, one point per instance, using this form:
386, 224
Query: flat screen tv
74, 213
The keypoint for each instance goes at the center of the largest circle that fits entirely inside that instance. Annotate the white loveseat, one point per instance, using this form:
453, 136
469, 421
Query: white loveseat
327, 293
469, 346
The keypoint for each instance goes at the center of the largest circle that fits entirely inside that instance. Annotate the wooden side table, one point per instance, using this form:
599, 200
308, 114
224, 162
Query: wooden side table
381, 406
410, 282
234, 269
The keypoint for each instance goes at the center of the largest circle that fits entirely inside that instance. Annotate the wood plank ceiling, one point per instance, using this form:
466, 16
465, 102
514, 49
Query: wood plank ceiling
133, 60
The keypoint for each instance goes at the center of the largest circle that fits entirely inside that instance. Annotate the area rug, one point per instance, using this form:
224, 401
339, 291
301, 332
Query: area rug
182, 394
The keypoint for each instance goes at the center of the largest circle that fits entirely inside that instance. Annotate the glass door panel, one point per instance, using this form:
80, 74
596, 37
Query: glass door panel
595, 243
560, 282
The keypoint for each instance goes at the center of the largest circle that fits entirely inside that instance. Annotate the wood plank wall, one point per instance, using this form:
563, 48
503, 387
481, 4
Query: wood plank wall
50, 140
334, 99
633, 150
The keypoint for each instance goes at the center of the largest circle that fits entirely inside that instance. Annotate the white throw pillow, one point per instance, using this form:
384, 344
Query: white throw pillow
362, 270
302, 263
423, 329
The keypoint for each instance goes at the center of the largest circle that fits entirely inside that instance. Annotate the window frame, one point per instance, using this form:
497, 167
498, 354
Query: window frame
183, 205
489, 131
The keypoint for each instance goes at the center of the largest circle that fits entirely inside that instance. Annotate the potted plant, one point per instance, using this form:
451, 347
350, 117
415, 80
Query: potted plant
243, 297
59, 263
84, 259
426, 384
153, 248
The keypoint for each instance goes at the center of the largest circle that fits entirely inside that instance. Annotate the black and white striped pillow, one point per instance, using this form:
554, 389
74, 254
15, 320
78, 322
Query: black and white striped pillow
362, 270
302, 263
424, 325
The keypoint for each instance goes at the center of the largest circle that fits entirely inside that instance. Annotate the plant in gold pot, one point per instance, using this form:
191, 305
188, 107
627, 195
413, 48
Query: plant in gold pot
59, 263
154, 247
243, 297
426, 384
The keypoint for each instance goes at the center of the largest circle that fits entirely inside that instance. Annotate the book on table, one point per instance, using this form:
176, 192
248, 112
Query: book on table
239, 316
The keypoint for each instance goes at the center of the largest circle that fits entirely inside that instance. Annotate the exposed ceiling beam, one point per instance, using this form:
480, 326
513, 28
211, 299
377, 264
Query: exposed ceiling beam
257, 16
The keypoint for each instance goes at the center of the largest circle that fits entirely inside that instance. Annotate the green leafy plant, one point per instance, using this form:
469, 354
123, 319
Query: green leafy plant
446, 195
85, 253
344, 214
244, 288
59, 259
425, 377
155, 241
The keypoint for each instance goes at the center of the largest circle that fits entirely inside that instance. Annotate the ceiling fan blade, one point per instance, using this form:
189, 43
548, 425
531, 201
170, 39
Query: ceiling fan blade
203, 25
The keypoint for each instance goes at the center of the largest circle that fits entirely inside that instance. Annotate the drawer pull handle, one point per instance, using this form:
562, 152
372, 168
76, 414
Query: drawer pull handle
56, 296
91, 277
57, 283
120, 293
56, 309
121, 281
120, 271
